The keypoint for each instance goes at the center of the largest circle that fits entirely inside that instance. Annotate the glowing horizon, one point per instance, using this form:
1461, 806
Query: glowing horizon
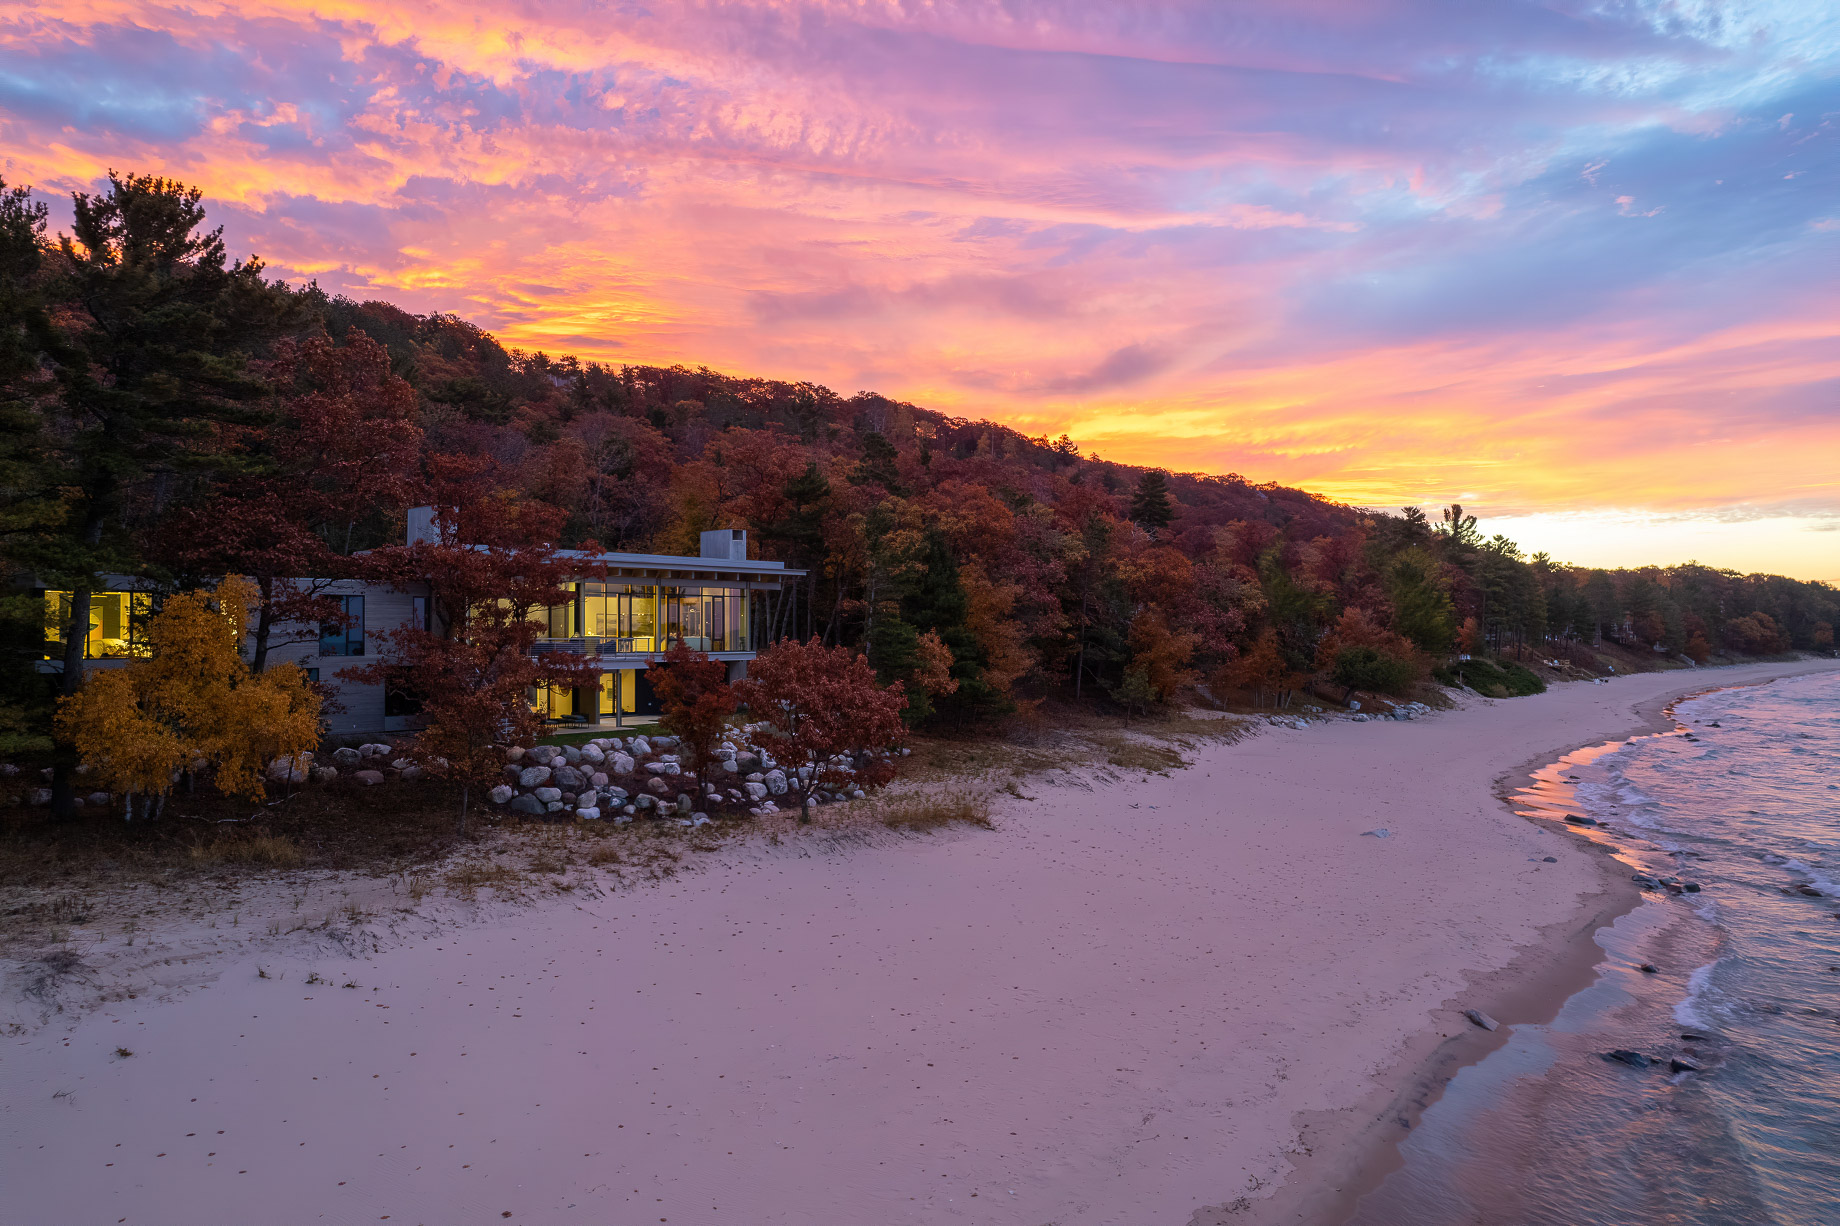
1560, 262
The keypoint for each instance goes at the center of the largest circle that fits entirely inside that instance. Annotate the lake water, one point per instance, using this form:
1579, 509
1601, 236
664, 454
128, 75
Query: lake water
1745, 801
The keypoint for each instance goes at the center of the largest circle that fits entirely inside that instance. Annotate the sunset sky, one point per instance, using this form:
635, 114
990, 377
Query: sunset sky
1575, 265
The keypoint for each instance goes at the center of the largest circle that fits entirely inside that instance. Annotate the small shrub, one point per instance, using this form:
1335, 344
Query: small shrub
1369, 668
1498, 680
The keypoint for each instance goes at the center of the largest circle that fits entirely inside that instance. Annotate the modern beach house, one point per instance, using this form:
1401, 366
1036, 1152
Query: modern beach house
720, 602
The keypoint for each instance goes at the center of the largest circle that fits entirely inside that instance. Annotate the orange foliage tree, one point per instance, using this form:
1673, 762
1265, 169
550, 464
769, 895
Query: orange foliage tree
824, 713
192, 699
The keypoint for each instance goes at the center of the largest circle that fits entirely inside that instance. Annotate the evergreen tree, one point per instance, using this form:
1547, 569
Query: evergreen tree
937, 602
1150, 507
152, 363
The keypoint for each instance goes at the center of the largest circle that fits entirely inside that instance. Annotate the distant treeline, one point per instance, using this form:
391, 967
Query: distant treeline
170, 414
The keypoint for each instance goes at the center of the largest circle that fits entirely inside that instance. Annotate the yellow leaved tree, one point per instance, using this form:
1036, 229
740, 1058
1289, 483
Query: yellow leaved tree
191, 699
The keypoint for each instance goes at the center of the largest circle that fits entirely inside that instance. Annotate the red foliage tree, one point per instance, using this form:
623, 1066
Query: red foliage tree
473, 666
696, 700
343, 444
825, 712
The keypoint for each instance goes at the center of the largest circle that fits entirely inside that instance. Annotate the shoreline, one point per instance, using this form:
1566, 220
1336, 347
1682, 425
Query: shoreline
1353, 1158
1137, 998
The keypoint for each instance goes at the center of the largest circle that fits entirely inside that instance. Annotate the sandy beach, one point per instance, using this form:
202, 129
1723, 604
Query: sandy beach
1198, 998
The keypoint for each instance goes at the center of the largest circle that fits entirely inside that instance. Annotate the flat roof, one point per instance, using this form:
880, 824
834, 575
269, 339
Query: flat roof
677, 562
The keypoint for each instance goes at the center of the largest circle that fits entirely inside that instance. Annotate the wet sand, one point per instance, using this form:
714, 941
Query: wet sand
1136, 1000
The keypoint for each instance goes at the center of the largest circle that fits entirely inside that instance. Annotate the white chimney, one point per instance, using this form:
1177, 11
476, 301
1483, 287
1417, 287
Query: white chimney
422, 527
729, 544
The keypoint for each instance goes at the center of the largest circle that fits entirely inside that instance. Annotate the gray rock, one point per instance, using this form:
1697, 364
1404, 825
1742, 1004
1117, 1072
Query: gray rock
554, 806
321, 774
369, 779
501, 794
589, 814
568, 778
685, 801
756, 791
412, 772
101, 799
593, 754
776, 782
597, 780
641, 748
656, 768
548, 795
571, 754
621, 764
1680, 1064
1482, 1019
533, 776
657, 784
514, 754
530, 806
347, 756
40, 797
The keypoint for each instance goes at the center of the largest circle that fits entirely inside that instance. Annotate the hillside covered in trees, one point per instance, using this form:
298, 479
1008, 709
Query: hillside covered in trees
171, 414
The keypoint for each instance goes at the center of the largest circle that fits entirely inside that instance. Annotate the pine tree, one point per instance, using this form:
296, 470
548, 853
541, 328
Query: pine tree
1150, 507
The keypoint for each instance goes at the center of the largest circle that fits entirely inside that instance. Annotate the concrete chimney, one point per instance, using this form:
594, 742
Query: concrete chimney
728, 544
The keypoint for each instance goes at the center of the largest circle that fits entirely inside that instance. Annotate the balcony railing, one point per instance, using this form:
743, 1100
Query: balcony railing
644, 646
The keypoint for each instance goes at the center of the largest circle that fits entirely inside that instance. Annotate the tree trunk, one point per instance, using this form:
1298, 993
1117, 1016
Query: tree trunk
265, 613
463, 799
64, 757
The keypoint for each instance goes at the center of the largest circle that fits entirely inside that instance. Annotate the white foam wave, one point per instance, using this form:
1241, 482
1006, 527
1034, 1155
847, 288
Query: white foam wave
1691, 1010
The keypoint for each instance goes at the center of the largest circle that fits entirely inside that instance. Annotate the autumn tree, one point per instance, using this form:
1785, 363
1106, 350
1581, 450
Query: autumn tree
339, 450
1263, 669
1159, 661
695, 701
191, 699
489, 571
825, 713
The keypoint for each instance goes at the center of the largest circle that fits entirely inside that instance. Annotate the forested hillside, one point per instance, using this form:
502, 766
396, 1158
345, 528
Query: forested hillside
172, 414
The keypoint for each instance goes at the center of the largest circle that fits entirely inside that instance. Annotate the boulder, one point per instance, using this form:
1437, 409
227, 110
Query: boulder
776, 782
672, 768
40, 797
622, 763
369, 778
347, 756
655, 768
533, 776
593, 754
597, 780
590, 814
530, 806
568, 778
641, 747
685, 802
747, 763
290, 770
657, 784
501, 794
554, 806
617, 793
514, 754
755, 777
663, 742
321, 774
571, 754
413, 771
548, 795
1634, 1059
645, 802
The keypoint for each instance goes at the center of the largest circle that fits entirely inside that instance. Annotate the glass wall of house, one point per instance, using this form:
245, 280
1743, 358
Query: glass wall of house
623, 615
563, 621
708, 618
554, 701
619, 692
117, 624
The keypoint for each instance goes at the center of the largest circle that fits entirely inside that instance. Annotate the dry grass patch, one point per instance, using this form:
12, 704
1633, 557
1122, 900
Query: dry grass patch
932, 810
468, 876
262, 850
1129, 753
